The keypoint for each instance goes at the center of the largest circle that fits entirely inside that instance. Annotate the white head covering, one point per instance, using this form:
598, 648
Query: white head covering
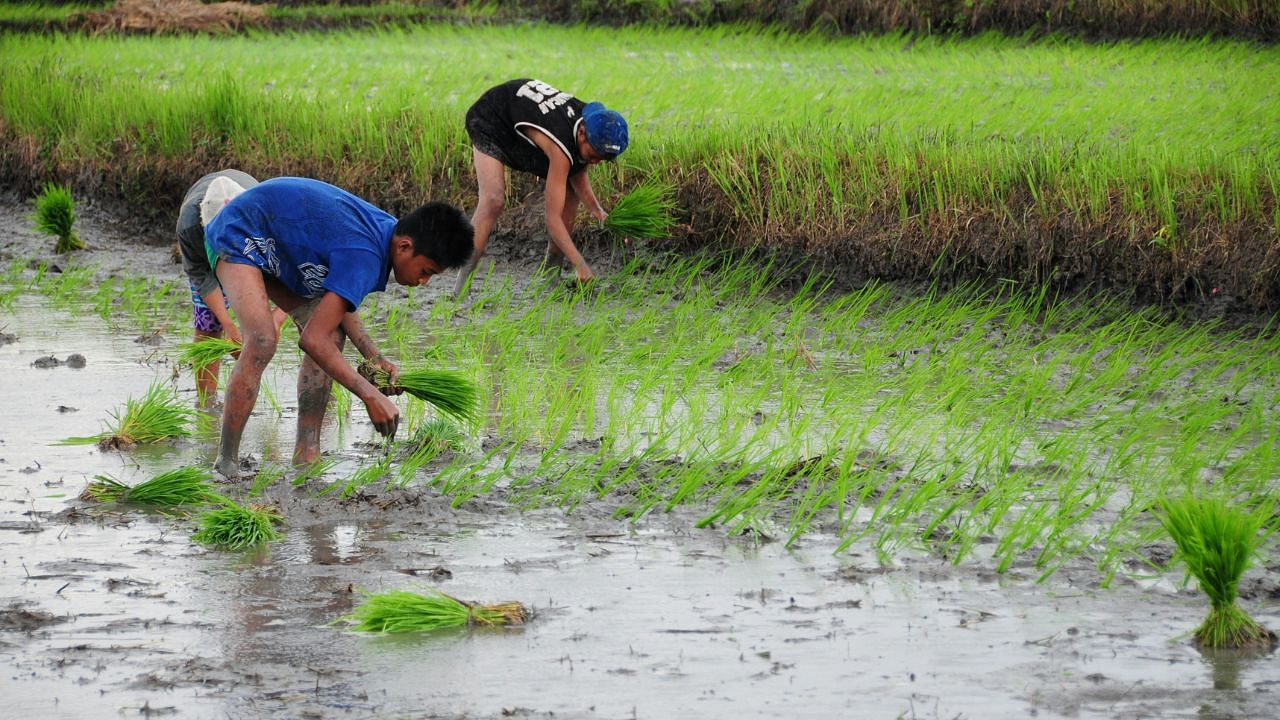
220, 192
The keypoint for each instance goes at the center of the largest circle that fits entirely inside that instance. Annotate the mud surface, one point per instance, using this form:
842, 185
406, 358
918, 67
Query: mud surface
114, 612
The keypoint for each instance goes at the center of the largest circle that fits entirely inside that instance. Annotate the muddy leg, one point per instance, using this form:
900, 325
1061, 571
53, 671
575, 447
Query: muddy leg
492, 186
244, 286
314, 387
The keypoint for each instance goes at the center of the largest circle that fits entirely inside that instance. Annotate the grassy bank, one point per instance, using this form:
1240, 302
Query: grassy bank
1095, 19
1145, 165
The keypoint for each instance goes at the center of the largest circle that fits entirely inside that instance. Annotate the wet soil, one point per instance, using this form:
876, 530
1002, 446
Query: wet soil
112, 611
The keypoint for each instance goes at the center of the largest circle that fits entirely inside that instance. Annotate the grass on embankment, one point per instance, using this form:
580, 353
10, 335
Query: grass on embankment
1153, 165
1250, 19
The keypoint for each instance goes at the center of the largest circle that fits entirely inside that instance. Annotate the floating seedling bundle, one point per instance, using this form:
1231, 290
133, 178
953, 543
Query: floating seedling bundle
158, 415
183, 486
449, 391
1217, 543
648, 211
235, 527
404, 611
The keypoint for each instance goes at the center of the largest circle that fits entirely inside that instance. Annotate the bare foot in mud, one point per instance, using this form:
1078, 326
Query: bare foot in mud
233, 469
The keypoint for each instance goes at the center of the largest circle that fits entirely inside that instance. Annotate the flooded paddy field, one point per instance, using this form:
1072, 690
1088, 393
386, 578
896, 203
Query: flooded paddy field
109, 611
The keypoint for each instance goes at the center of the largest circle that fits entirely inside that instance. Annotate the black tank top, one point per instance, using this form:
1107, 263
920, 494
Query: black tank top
519, 107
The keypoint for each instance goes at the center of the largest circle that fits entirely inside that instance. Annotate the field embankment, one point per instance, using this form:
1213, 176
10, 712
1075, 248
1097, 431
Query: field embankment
1145, 165
1096, 19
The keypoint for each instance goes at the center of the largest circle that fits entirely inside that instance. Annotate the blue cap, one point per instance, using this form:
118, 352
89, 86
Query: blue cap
606, 129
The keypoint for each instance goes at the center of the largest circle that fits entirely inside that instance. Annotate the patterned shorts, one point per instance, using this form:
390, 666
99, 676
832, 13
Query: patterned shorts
203, 318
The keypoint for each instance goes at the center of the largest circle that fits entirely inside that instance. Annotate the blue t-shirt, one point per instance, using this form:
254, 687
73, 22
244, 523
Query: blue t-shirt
310, 235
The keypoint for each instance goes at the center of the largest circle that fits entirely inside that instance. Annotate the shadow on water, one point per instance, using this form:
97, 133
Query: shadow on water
109, 610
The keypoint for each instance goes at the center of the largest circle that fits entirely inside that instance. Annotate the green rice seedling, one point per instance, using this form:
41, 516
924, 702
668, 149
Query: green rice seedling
448, 391
236, 527
266, 477
158, 415
313, 470
55, 215
1217, 543
201, 353
648, 211
404, 611
437, 436
184, 486
365, 475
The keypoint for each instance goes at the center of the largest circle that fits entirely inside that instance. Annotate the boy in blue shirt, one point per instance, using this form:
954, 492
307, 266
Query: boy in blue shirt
316, 251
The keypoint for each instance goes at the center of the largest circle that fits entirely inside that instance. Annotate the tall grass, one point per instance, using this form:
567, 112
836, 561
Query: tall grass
913, 154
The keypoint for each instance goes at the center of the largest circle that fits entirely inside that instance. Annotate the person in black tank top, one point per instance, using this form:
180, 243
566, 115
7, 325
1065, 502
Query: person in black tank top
530, 126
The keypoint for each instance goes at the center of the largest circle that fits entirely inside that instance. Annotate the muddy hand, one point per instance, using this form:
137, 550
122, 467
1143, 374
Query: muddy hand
384, 414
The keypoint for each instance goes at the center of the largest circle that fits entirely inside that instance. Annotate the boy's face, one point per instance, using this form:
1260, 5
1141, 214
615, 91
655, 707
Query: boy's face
410, 269
585, 151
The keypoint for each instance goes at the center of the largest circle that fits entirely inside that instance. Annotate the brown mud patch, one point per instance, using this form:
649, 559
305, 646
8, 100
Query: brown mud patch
172, 16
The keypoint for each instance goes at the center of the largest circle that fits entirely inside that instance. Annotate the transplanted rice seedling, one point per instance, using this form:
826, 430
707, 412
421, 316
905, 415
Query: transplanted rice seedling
201, 353
183, 486
645, 212
448, 391
1217, 543
158, 415
405, 611
55, 214
236, 527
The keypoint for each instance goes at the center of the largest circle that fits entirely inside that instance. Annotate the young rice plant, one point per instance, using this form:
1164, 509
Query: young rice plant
645, 212
448, 391
158, 415
184, 486
403, 611
55, 215
201, 353
235, 527
1217, 543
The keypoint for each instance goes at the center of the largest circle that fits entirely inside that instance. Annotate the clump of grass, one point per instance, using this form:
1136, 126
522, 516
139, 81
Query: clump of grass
648, 211
449, 391
236, 527
55, 214
202, 353
404, 611
1217, 542
158, 415
183, 486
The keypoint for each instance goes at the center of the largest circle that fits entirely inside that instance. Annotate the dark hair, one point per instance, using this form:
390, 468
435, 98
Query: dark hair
441, 232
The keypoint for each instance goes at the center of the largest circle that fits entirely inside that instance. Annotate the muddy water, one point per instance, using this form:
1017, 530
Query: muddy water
107, 612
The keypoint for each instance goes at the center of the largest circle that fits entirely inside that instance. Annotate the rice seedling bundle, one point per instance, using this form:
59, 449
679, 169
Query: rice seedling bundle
235, 527
405, 611
183, 486
158, 415
206, 351
1217, 542
55, 214
449, 391
648, 211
